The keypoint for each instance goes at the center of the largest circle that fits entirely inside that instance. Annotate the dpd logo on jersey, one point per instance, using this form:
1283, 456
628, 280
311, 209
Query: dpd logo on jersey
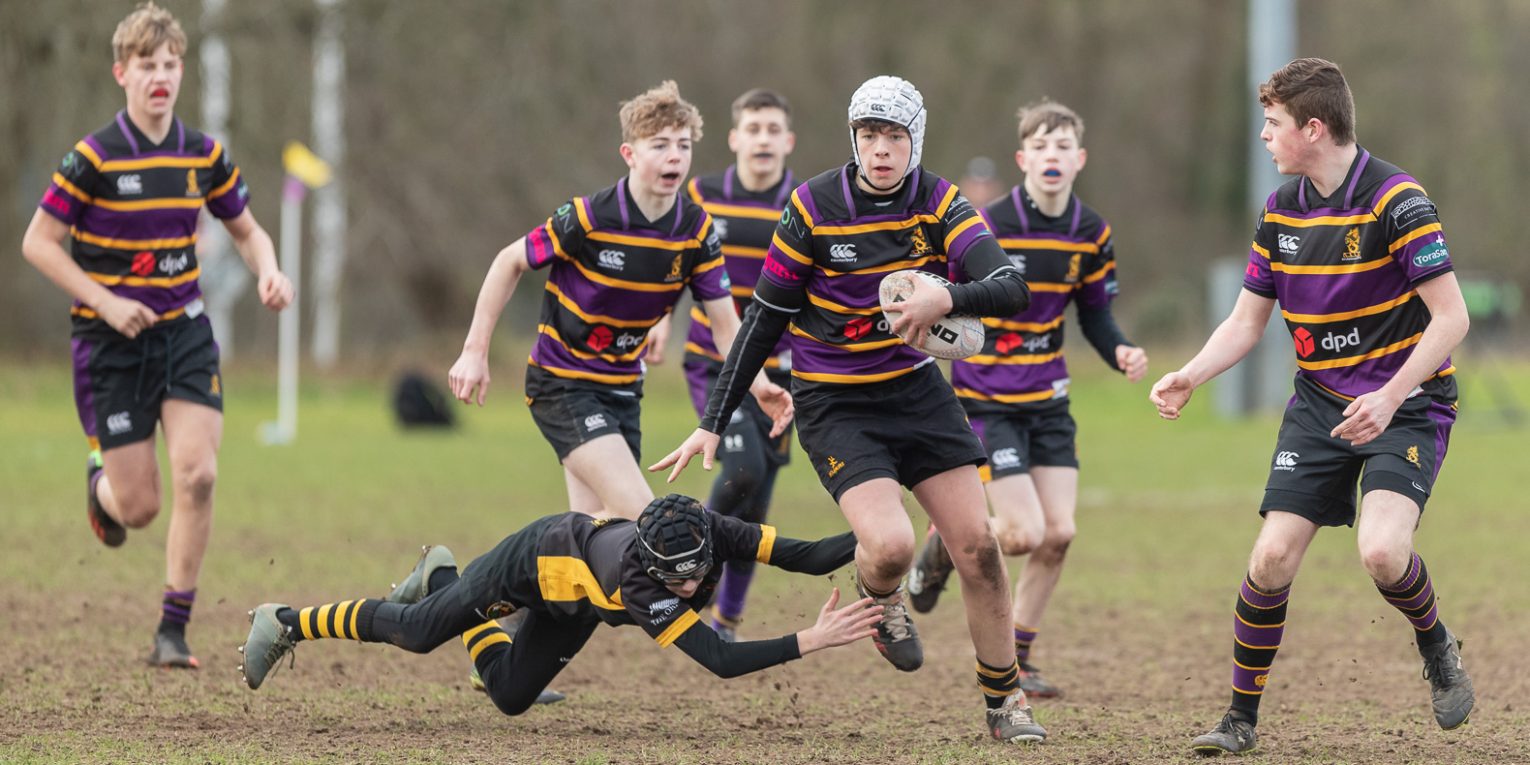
1289, 243
1286, 461
1336, 343
1303, 340
600, 339
612, 259
171, 265
143, 263
841, 253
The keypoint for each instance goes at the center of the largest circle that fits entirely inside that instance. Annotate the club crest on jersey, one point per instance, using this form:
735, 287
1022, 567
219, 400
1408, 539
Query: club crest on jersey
1351, 245
1074, 264
674, 269
919, 242
191, 184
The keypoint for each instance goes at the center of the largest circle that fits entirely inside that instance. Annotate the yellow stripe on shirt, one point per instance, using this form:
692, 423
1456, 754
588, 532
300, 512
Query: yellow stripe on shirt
1349, 361
1370, 310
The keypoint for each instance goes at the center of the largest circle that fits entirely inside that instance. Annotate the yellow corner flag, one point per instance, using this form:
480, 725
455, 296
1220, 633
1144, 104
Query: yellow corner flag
304, 165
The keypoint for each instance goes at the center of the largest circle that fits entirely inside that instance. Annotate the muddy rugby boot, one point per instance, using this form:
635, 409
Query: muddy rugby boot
416, 586
1014, 722
110, 532
170, 651
1450, 688
547, 696
1034, 685
896, 637
268, 642
1233, 735
928, 577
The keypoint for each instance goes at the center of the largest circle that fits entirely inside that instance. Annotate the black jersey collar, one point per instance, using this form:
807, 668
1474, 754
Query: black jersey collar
1023, 203
624, 197
1351, 182
140, 142
782, 189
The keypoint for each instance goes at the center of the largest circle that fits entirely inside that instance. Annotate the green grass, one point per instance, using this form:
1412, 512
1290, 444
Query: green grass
1166, 518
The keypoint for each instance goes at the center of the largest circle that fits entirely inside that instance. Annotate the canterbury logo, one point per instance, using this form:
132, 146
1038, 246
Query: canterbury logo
841, 253
1286, 460
1289, 243
120, 423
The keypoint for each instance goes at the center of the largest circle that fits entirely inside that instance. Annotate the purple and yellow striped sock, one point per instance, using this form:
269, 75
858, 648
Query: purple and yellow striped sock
1413, 595
175, 610
998, 683
1259, 622
1024, 636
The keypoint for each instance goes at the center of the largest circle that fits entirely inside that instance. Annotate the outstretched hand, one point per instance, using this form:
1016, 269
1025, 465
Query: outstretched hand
777, 404
1171, 393
700, 442
836, 627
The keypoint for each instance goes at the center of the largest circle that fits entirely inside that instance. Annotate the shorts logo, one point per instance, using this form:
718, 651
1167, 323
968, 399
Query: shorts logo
834, 466
215, 388
594, 422
143, 263
841, 253
920, 243
129, 184
119, 423
191, 184
1286, 461
1413, 456
734, 443
720, 225
1336, 343
612, 259
1007, 457
600, 338
1351, 244
171, 265
1432, 255
1289, 243
1420, 488
1303, 340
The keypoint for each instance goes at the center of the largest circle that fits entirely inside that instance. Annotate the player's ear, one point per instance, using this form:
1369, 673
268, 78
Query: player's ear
791, 141
1020, 159
627, 153
1083, 157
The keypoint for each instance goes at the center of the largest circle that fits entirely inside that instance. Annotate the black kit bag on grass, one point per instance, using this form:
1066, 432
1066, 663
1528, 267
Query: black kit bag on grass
419, 403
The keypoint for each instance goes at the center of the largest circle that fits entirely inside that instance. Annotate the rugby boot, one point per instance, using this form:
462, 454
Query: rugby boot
547, 696
726, 629
1233, 735
110, 532
928, 577
896, 637
1034, 685
171, 652
416, 586
268, 643
1450, 688
1014, 722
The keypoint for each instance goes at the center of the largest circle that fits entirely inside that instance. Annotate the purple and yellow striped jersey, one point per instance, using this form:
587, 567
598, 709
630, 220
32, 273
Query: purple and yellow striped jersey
132, 209
1344, 270
744, 221
835, 243
1064, 259
615, 275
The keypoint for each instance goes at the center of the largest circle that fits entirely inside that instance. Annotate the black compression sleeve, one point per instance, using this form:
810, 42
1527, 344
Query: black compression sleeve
756, 338
1099, 328
817, 558
995, 287
733, 659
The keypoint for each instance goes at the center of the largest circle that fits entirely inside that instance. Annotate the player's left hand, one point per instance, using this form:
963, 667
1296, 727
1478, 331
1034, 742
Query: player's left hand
1366, 417
924, 306
1133, 361
658, 340
701, 442
776, 402
275, 289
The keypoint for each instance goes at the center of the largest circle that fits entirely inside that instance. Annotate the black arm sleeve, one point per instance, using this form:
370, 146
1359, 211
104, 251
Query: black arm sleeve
733, 659
1099, 327
756, 338
817, 558
995, 287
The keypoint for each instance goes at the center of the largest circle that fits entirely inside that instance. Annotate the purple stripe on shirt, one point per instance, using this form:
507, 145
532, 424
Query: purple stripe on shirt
808, 203
1008, 379
965, 239
1349, 195
161, 299
812, 356
127, 132
175, 223
615, 302
549, 353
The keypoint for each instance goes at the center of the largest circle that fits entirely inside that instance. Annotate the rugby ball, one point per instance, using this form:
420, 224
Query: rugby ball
953, 337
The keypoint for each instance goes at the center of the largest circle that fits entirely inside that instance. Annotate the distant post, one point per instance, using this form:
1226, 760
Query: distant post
329, 202
304, 171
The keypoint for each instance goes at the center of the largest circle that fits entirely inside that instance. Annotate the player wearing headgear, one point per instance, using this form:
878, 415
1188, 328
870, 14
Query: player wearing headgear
1016, 390
618, 261
745, 201
875, 414
128, 199
1353, 252
569, 573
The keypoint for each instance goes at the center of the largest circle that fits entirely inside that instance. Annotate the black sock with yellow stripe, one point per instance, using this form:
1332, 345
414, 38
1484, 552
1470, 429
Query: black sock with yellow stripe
349, 620
484, 643
998, 683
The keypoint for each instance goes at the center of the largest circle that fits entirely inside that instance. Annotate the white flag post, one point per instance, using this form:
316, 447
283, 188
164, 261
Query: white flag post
304, 171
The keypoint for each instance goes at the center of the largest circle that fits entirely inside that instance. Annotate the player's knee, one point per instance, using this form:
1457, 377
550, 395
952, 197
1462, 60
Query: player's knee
979, 562
196, 481
1272, 566
887, 556
1057, 540
136, 507
1015, 539
512, 701
1384, 563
